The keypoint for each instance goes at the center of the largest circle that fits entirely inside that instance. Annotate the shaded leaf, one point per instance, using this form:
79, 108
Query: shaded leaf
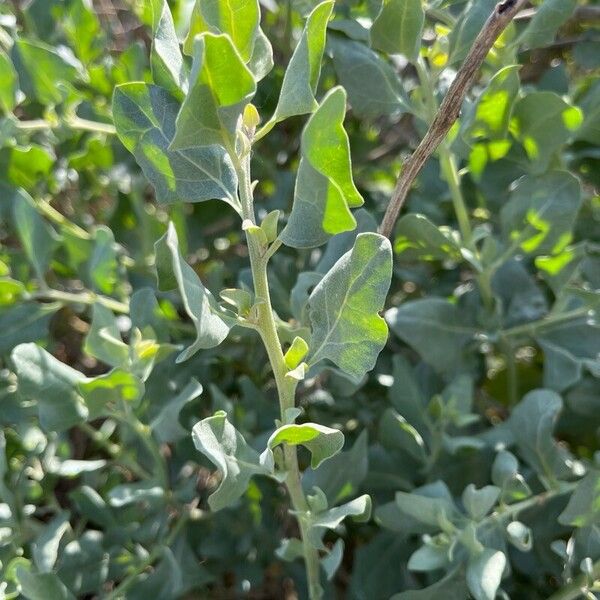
398, 27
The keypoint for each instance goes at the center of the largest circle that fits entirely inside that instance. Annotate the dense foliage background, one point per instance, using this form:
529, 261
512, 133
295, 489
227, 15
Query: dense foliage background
475, 435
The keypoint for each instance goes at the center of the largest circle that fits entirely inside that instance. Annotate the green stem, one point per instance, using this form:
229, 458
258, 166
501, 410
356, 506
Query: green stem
530, 328
286, 386
512, 376
88, 298
74, 122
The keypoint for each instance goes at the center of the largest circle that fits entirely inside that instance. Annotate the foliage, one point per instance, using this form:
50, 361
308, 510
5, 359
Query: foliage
190, 195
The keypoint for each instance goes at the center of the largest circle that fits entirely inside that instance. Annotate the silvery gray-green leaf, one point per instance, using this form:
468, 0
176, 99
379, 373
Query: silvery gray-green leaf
210, 320
297, 95
145, 117
344, 306
225, 447
484, 573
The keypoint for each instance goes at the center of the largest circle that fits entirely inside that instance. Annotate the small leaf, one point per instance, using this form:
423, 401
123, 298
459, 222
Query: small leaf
220, 87
344, 306
479, 502
470, 23
359, 509
519, 535
103, 340
484, 573
532, 423
168, 69
210, 321
324, 191
225, 447
300, 81
104, 394
52, 384
398, 27
296, 353
145, 117
322, 442
332, 561
429, 511
45, 546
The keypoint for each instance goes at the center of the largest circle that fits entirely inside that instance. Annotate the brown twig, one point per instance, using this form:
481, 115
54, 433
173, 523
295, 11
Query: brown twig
449, 110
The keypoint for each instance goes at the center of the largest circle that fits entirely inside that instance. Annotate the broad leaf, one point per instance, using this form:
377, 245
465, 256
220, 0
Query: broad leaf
470, 23
168, 69
540, 214
210, 320
344, 306
220, 86
583, 508
24, 322
45, 546
532, 423
145, 117
9, 83
225, 447
398, 27
548, 17
543, 122
322, 442
50, 383
478, 502
359, 509
41, 586
418, 322
300, 81
417, 238
373, 86
325, 191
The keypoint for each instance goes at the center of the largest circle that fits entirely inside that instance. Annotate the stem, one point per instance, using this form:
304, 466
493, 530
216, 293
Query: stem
449, 110
89, 298
286, 386
530, 328
512, 376
74, 122
451, 174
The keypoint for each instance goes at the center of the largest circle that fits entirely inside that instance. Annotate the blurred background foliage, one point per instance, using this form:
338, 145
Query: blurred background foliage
106, 502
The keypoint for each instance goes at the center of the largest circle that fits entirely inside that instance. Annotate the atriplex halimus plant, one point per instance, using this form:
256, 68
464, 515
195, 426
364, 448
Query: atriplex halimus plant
193, 135
102, 487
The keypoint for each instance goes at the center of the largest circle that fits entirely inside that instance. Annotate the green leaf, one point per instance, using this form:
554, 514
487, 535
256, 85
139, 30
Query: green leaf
24, 322
210, 320
37, 237
220, 86
324, 191
429, 511
300, 81
9, 83
296, 353
590, 104
470, 23
103, 340
225, 447
397, 433
519, 535
24, 166
103, 263
583, 509
52, 384
541, 212
145, 117
344, 306
166, 426
168, 68
417, 238
479, 502
41, 586
41, 67
238, 19
451, 586
546, 20
322, 442
418, 322
398, 27
532, 423
373, 86
543, 122
105, 393
484, 573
